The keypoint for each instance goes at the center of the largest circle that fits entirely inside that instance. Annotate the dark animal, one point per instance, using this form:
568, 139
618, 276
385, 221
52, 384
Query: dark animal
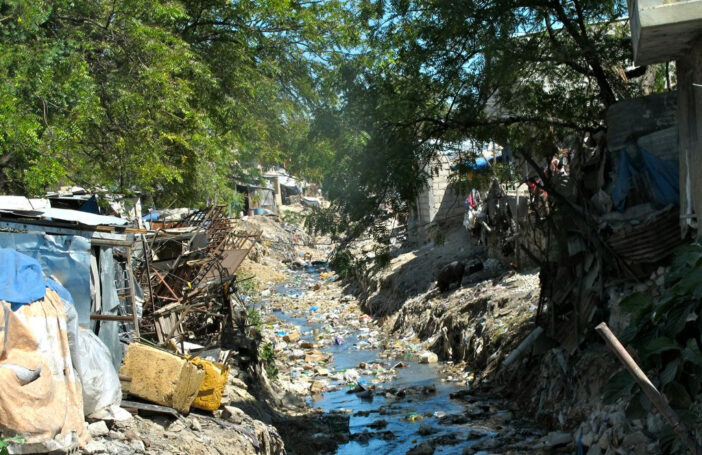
475, 265
450, 273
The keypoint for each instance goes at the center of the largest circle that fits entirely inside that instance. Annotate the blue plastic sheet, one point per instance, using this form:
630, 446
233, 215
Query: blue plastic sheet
65, 257
21, 278
663, 177
623, 183
60, 290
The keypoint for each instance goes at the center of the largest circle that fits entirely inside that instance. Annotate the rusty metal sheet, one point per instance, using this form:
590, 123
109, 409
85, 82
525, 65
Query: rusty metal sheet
648, 242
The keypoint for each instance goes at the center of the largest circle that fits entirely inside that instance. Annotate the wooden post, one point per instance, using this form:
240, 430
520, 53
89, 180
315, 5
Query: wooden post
147, 265
130, 278
648, 388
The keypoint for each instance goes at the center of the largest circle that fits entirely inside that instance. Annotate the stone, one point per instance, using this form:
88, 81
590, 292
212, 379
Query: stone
236, 382
589, 438
426, 430
292, 337
131, 434
161, 377
116, 435
594, 450
428, 357
95, 447
98, 429
233, 415
558, 438
316, 387
378, 424
195, 424
424, 448
314, 357
605, 437
138, 446
175, 427
654, 423
633, 439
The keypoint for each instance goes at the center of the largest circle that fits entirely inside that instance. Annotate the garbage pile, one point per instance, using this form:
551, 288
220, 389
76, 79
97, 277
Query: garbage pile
189, 271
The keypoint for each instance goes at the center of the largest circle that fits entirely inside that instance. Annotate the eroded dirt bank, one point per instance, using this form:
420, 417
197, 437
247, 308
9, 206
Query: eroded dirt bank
480, 323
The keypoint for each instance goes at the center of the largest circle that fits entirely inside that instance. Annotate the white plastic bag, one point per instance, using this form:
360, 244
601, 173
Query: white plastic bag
101, 386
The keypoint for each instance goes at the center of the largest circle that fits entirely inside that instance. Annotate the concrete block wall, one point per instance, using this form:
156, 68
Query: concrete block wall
440, 202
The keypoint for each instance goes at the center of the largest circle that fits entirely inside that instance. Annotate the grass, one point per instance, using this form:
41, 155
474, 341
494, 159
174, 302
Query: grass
267, 355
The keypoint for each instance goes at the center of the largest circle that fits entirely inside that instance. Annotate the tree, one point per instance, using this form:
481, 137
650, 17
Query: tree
526, 73
175, 99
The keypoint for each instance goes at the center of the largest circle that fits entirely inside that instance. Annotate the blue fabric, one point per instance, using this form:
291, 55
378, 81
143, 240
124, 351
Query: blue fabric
153, 216
66, 257
665, 178
60, 290
623, 183
480, 163
90, 206
21, 278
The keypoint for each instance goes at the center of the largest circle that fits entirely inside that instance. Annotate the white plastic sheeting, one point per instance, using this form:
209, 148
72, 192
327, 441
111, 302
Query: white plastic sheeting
101, 386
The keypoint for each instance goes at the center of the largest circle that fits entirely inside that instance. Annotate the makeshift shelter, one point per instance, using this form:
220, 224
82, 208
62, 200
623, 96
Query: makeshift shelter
287, 189
40, 397
90, 255
258, 200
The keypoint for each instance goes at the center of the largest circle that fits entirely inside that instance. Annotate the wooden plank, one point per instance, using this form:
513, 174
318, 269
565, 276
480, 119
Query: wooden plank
150, 407
111, 317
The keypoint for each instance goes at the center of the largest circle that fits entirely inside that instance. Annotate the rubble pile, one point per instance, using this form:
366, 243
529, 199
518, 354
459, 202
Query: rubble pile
609, 430
229, 430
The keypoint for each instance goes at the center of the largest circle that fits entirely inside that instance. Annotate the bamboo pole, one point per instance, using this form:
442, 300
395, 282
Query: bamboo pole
648, 388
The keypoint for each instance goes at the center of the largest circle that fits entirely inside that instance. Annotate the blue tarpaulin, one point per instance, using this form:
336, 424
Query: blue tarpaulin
479, 164
66, 257
153, 216
663, 177
21, 278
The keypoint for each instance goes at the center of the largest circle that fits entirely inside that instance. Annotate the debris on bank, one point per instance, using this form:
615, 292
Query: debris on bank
131, 329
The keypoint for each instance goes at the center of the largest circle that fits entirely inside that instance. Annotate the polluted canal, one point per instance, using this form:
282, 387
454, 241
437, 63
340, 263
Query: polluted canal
398, 399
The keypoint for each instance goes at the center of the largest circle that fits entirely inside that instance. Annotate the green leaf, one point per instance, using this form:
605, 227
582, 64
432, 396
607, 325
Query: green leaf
636, 409
635, 304
618, 386
670, 372
677, 395
658, 345
692, 352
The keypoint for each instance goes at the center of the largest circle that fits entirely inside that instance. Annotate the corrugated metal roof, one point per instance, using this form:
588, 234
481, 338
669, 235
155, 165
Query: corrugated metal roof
22, 207
649, 242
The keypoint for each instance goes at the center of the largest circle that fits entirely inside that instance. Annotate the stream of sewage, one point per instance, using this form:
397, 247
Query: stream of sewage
425, 412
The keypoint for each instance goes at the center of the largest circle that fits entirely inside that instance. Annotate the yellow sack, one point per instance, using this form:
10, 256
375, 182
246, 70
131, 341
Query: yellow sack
209, 397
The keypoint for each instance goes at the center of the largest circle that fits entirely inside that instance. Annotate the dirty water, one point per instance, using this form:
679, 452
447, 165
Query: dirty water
411, 408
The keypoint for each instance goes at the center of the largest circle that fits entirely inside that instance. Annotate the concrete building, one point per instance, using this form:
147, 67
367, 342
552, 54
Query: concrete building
665, 30
442, 201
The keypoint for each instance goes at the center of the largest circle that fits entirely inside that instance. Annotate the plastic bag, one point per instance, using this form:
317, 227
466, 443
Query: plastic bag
101, 386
